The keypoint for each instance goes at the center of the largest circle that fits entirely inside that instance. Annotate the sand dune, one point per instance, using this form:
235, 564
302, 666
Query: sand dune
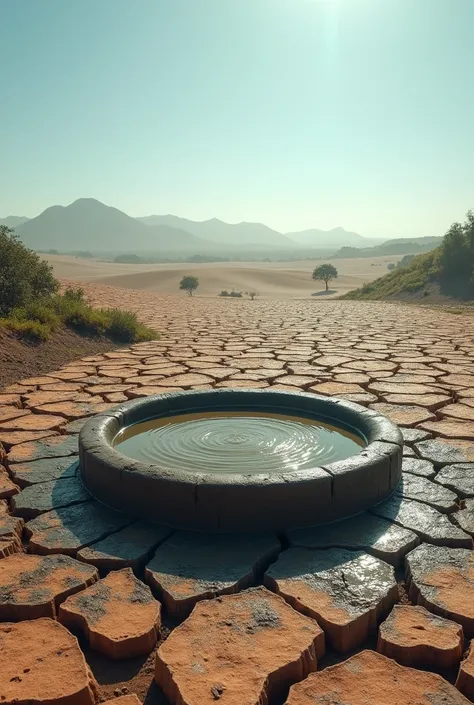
277, 280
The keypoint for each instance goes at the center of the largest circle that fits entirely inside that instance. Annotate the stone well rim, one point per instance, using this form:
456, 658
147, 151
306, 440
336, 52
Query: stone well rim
145, 489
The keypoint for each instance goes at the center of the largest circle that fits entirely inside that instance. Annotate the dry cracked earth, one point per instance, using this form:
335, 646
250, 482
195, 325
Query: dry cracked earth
379, 609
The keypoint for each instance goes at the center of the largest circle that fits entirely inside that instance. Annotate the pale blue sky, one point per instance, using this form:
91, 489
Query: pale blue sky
297, 113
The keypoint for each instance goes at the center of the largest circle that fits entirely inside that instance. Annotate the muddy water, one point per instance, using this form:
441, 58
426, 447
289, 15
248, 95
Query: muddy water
237, 442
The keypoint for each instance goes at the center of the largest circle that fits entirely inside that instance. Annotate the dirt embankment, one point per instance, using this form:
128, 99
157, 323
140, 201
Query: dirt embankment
19, 359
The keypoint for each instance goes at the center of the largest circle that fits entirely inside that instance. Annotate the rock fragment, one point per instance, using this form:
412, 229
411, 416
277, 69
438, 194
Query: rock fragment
415, 637
366, 532
430, 525
45, 496
370, 678
43, 664
69, 529
465, 679
190, 566
128, 548
347, 592
56, 447
39, 471
34, 586
118, 615
442, 580
246, 648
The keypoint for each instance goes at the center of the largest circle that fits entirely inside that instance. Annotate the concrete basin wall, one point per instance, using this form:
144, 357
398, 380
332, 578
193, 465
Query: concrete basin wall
234, 502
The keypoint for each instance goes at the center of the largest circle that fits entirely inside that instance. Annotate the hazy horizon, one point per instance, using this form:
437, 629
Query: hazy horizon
144, 215
294, 113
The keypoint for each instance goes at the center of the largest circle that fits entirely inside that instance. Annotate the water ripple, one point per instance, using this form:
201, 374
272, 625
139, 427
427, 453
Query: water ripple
237, 443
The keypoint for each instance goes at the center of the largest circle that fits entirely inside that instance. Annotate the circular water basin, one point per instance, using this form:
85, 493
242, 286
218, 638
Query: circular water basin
240, 460
237, 442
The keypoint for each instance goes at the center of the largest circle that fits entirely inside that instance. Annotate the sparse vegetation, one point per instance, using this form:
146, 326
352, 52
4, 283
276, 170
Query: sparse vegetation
31, 306
325, 273
42, 318
189, 283
232, 294
405, 261
449, 269
417, 246
404, 280
128, 259
252, 294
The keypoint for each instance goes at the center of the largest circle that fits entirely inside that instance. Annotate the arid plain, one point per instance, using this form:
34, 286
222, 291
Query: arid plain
271, 280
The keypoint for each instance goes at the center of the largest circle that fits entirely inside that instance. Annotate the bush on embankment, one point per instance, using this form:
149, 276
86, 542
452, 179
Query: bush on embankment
42, 318
31, 306
449, 268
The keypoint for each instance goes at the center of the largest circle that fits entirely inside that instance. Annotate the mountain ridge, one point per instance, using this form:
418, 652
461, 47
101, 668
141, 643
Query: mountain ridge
334, 237
220, 232
89, 224
13, 221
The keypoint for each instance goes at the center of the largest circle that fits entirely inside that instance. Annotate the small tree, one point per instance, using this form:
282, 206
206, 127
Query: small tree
325, 272
189, 284
390, 266
252, 294
24, 277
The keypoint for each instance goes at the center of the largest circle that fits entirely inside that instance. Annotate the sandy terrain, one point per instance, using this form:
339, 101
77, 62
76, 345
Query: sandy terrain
271, 280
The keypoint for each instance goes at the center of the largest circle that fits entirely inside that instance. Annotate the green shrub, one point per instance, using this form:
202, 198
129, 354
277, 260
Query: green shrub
34, 330
24, 277
86, 320
42, 318
233, 294
30, 306
41, 311
125, 327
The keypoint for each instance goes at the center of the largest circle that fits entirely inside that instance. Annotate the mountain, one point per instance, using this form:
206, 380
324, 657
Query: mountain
12, 221
227, 235
88, 224
337, 237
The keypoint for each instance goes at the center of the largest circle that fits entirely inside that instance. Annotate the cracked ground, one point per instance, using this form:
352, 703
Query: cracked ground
338, 612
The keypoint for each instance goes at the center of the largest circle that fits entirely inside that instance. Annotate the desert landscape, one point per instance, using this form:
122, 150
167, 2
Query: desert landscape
271, 280
237, 353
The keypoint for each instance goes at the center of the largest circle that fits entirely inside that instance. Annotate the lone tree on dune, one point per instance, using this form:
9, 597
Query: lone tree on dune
189, 284
325, 272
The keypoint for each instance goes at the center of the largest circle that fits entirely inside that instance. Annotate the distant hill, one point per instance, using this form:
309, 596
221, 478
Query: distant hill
391, 247
12, 221
225, 234
91, 225
423, 241
421, 274
446, 271
337, 237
